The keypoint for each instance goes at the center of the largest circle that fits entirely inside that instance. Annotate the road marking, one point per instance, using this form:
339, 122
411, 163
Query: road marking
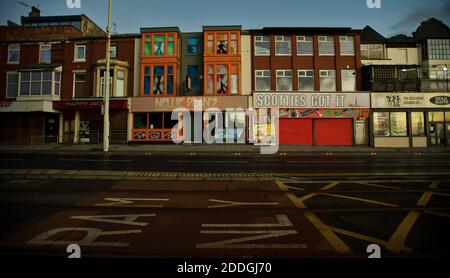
323, 229
361, 200
328, 234
88, 240
364, 237
397, 240
377, 185
126, 219
326, 161
438, 213
95, 160
130, 202
236, 204
208, 161
241, 243
283, 221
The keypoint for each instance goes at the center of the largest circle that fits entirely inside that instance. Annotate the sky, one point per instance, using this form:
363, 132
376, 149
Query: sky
394, 16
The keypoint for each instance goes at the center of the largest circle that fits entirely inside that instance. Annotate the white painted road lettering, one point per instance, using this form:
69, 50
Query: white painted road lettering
225, 204
125, 219
131, 202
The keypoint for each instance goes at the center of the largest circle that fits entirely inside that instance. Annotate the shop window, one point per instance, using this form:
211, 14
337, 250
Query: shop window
326, 45
347, 45
193, 45
193, 78
398, 124
37, 83
222, 79
436, 117
12, 85
283, 45
392, 124
45, 53
159, 80
168, 122
140, 120
262, 80
328, 80
155, 120
79, 85
306, 80
381, 124
447, 117
348, 79
13, 53
80, 53
262, 45
305, 45
284, 80
418, 123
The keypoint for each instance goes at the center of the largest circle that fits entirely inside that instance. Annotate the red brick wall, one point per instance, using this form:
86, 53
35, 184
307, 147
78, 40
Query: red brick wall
315, 62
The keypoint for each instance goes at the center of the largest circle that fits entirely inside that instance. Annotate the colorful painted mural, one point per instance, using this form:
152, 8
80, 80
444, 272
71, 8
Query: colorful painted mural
325, 113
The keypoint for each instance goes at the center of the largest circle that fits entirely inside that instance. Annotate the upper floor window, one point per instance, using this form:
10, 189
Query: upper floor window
372, 51
262, 80
222, 43
284, 80
283, 45
193, 46
45, 53
262, 45
328, 80
348, 79
159, 80
438, 49
80, 53
37, 83
113, 52
12, 85
193, 73
159, 44
13, 54
79, 85
347, 44
326, 45
304, 45
222, 79
306, 80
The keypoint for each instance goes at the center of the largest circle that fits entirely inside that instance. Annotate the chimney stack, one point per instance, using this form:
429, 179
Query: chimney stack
35, 12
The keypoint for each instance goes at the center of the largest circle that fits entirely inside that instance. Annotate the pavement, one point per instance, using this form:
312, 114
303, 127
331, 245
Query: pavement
214, 148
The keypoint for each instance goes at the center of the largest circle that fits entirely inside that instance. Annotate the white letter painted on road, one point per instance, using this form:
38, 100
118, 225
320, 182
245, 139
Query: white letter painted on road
125, 219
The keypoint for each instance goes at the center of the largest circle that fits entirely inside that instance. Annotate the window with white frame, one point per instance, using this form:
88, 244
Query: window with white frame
262, 45
262, 80
326, 45
12, 84
39, 83
328, 80
306, 80
283, 45
348, 78
80, 52
347, 44
284, 80
113, 51
13, 54
305, 45
45, 53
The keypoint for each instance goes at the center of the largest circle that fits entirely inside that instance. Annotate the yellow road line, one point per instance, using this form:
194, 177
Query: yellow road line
397, 241
328, 234
364, 237
423, 201
378, 185
361, 200
438, 213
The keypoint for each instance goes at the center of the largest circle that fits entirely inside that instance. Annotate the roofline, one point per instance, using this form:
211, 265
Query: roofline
222, 27
160, 29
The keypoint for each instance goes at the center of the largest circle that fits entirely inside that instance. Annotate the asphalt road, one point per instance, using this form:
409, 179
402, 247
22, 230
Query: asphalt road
286, 217
244, 163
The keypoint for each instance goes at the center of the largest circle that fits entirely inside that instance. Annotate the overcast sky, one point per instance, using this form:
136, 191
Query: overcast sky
394, 16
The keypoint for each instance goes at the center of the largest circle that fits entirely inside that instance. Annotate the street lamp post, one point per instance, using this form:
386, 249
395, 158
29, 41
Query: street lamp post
106, 92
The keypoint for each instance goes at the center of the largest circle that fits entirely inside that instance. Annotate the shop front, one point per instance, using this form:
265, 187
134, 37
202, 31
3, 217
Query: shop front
318, 118
410, 120
81, 121
151, 118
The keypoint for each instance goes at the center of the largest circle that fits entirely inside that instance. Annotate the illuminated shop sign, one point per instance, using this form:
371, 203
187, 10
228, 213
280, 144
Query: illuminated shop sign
411, 100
